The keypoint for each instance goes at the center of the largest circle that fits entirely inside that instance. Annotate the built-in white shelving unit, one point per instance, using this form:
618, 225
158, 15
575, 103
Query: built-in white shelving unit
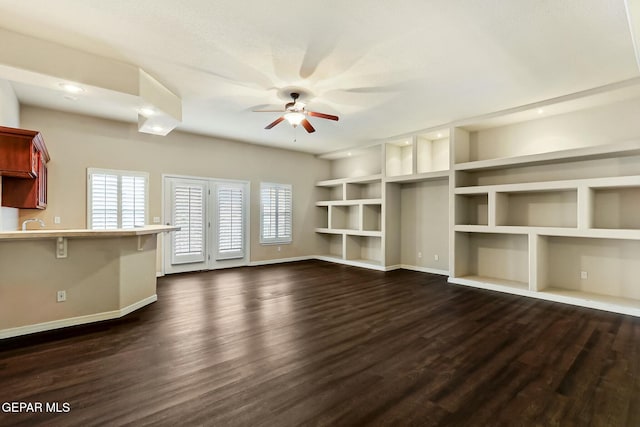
394, 219
352, 219
537, 214
541, 201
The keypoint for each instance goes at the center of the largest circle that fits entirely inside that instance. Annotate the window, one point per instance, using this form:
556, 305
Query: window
116, 199
275, 213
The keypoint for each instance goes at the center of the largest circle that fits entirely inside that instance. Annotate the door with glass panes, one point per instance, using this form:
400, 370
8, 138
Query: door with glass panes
213, 218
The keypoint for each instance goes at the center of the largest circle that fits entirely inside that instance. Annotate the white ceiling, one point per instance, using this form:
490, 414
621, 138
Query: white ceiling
386, 68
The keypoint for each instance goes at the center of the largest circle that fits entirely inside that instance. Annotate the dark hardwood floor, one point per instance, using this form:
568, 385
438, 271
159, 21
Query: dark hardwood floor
314, 343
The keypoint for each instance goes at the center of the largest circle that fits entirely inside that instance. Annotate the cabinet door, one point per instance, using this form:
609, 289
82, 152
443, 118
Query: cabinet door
26, 193
41, 202
18, 153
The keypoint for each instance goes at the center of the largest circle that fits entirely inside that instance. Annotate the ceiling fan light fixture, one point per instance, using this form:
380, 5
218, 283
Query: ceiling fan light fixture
294, 118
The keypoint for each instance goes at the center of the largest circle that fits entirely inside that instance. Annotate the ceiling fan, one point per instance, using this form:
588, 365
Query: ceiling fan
295, 113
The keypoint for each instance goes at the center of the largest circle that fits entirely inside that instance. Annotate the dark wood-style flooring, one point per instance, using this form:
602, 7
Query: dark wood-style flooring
314, 343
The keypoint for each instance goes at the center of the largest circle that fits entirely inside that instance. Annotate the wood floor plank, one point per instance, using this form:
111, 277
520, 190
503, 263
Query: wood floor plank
319, 344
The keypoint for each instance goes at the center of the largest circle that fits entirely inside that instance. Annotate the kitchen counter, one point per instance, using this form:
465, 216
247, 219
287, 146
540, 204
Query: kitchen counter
103, 274
52, 234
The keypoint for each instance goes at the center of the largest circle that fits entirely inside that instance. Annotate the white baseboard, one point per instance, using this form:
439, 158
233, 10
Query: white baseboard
280, 260
75, 321
352, 263
424, 269
159, 274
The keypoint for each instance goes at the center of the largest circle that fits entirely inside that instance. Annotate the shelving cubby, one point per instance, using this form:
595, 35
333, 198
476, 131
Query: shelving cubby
616, 207
472, 209
597, 272
344, 217
399, 157
543, 208
363, 249
493, 261
432, 152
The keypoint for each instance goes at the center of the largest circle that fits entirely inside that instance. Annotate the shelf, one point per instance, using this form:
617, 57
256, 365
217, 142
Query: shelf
591, 300
355, 202
498, 230
607, 151
491, 283
347, 232
596, 233
427, 176
596, 183
364, 263
356, 180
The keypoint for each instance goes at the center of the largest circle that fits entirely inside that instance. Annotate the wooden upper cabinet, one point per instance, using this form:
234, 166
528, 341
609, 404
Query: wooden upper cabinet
23, 167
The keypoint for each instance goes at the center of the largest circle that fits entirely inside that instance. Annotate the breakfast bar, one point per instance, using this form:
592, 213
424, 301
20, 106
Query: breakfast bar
51, 279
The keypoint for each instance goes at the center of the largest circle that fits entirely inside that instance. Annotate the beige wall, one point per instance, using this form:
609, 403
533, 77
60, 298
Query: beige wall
77, 142
10, 117
424, 224
100, 277
365, 162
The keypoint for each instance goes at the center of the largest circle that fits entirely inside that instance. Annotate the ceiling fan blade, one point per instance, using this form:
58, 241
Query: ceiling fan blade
322, 115
305, 123
275, 122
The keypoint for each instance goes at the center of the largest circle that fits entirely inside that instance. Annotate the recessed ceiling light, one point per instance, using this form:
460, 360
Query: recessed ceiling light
406, 143
540, 111
146, 111
71, 88
439, 135
349, 153
157, 128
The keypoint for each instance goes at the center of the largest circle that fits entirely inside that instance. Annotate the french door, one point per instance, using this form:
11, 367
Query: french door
213, 218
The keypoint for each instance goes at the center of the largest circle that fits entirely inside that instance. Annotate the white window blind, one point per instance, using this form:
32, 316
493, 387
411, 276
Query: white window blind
230, 220
275, 213
189, 214
116, 199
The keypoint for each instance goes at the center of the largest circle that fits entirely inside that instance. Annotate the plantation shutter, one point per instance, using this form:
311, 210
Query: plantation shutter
104, 201
189, 214
230, 221
275, 213
116, 199
133, 201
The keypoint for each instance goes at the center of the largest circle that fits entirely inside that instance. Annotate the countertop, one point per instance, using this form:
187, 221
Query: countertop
84, 233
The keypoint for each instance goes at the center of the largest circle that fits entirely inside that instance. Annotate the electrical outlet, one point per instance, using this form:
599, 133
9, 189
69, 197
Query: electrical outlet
436, 257
61, 296
279, 248
56, 220
584, 275
156, 220
419, 254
